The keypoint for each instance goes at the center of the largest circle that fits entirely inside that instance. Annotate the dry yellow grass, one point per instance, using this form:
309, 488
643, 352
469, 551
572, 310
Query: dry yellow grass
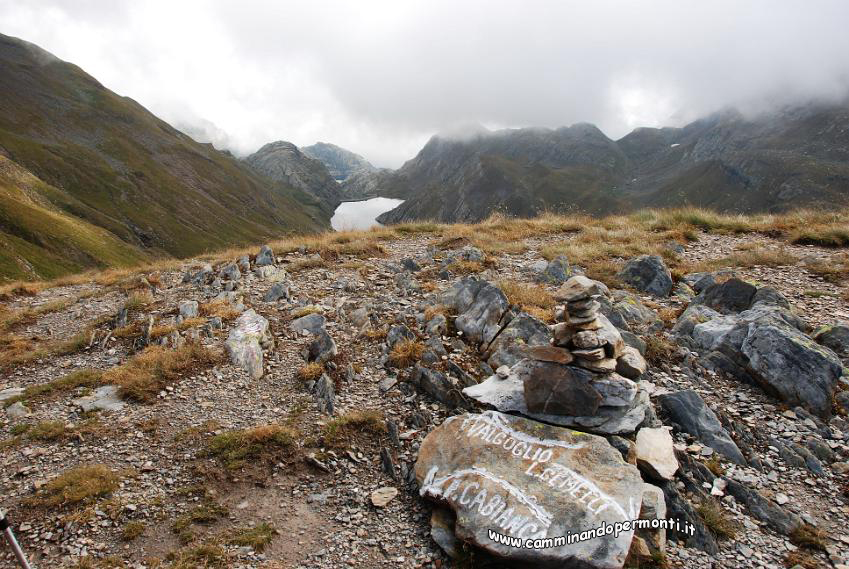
219, 308
234, 448
310, 372
147, 373
79, 485
596, 243
405, 353
341, 430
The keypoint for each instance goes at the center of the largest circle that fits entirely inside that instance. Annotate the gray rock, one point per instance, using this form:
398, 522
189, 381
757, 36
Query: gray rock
770, 297
265, 257
689, 412
203, 275
631, 363
230, 272
508, 395
834, 336
322, 349
437, 325
11, 392
188, 308
469, 460
480, 306
270, 273
312, 323
325, 394
246, 340
634, 341
690, 318
791, 364
359, 317
17, 410
627, 312
763, 509
647, 273
556, 272
276, 292
409, 264
441, 387
731, 296
678, 507
397, 333
244, 264
512, 343
104, 398
655, 453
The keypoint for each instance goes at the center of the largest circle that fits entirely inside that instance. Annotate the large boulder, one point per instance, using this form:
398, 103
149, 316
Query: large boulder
312, 323
246, 340
647, 273
480, 306
524, 479
512, 343
689, 412
791, 364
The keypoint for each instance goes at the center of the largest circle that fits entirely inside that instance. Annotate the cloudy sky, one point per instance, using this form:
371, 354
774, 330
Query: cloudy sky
380, 77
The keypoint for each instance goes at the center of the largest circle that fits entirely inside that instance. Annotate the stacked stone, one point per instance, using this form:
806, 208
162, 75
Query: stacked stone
586, 373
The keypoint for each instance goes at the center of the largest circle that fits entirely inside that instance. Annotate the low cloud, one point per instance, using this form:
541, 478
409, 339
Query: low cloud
380, 77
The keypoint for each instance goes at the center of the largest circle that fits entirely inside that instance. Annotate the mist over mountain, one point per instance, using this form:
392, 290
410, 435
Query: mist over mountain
772, 162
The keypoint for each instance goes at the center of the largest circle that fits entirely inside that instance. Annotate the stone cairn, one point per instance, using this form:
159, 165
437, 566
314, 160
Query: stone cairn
588, 369
584, 379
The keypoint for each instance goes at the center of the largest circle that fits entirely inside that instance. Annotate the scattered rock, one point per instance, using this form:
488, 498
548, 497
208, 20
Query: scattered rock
313, 323
188, 309
655, 453
264, 257
689, 411
322, 349
104, 398
382, 496
647, 273
244, 344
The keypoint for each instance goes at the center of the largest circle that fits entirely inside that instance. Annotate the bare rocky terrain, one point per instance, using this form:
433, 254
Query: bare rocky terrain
206, 460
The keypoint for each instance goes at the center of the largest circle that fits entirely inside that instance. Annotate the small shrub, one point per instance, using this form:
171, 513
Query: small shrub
47, 431
256, 537
375, 334
132, 530
310, 372
716, 519
138, 300
405, 353
715, 466
234, 448
342, 429
660, 350
809, 537
801, 558
206, 513
79, 485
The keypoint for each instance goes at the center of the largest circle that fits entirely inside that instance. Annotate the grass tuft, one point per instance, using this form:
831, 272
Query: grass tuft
235, 448
716, 519
342, 430
405, 353
256, 537
79, 485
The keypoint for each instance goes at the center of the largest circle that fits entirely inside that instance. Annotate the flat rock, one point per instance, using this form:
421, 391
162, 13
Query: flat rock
11, 392
508, 395
382, 496
523, 333
312, 323
552, 354
556, 389
104, 398
525, 479
17, 410
655, 453
579, 288
631, 363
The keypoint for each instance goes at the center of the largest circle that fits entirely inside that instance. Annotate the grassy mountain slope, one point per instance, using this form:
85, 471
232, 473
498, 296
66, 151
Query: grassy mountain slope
39, 240
109, 162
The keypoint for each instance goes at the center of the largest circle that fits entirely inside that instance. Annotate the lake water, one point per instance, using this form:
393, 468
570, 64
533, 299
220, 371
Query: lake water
361, 215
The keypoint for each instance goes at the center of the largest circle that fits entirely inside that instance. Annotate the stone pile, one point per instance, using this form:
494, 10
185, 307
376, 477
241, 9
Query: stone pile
584, 379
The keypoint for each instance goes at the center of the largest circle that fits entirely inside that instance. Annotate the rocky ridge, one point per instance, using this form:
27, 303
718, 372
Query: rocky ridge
407, 336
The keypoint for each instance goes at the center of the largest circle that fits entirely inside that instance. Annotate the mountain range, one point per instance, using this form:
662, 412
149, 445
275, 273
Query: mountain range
92, 179
773, 162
